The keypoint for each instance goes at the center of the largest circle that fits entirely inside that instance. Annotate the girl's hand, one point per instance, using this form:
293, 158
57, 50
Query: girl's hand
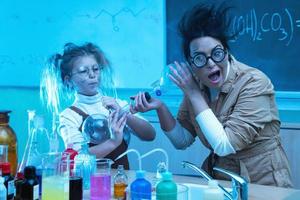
183, 78
117, 126
142, 105
110, 103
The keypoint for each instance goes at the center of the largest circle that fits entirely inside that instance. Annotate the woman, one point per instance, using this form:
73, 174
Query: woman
228, 105
85, 71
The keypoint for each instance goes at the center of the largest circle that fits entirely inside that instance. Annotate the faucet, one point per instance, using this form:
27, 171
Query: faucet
239, 184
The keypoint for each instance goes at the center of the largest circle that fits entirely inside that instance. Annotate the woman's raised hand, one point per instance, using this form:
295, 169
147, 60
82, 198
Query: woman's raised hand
183, 78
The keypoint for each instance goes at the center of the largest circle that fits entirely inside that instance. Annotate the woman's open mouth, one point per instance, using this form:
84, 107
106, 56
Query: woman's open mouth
215, 76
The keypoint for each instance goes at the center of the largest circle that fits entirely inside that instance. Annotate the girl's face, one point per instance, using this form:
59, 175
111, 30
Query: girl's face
85, 75
212, 60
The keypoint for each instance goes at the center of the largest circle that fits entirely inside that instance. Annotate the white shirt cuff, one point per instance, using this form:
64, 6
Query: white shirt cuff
214, 133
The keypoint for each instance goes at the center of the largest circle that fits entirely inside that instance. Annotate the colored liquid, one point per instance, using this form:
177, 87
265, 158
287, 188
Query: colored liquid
55, 188
100, 187
8, 137
119, 190
75, 188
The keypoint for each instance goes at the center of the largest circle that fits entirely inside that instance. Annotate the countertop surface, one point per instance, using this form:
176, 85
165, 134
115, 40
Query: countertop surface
255, 192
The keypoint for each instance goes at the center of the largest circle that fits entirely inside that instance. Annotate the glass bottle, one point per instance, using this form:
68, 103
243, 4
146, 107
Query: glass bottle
9, 180
3, 190
120, 183
30, 185
8, 137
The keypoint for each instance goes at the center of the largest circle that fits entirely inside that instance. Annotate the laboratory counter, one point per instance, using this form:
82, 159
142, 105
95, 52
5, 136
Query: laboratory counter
255, 192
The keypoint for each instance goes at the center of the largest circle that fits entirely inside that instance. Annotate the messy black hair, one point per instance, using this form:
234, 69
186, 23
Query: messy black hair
205, 20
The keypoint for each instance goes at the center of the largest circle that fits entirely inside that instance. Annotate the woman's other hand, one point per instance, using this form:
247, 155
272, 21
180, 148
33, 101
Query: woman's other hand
142, 105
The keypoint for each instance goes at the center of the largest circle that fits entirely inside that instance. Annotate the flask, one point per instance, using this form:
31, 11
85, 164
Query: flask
213, 192
96, 128
30, 186
140, 188
166, 189
2, 189
120, 183
8, 180
8, 137
163, 85
32, 156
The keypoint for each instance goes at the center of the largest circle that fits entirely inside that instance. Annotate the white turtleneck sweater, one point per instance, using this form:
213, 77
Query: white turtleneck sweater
70, 121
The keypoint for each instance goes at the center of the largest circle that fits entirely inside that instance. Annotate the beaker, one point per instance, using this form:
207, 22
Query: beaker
101, 181
3, 153
76, 180
55, 178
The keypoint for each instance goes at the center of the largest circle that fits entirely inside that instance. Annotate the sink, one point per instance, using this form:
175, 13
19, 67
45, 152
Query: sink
196, 190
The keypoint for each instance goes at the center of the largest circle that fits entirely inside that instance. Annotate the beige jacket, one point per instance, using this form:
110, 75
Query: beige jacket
246, 108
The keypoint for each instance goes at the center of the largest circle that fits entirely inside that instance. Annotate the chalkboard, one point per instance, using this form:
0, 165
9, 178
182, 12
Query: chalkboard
269, 38
130, 32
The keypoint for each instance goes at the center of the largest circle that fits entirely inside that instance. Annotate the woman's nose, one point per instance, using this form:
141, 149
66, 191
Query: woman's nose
210, 63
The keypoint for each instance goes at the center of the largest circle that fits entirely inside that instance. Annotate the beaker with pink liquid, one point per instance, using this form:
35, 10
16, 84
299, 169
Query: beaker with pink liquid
101, 181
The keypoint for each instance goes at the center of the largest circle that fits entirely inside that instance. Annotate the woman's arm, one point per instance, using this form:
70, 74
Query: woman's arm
166, 120
143, 129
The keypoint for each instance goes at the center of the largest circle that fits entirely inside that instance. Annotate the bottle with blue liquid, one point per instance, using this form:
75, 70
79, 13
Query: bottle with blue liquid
140, 188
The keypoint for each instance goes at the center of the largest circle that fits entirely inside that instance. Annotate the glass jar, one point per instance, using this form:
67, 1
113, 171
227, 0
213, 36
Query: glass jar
8, 137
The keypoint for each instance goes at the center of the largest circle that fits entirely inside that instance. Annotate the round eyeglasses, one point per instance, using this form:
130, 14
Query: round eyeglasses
85, 71
200, 59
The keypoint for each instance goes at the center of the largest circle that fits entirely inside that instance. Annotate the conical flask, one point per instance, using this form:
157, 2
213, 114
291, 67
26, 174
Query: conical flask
164, 85
32, 156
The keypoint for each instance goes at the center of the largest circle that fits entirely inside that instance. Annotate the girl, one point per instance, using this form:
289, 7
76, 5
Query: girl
85, 71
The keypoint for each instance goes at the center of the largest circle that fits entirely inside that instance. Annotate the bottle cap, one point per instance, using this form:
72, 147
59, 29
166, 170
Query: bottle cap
19, 175
29, 172
4, 118
70, 151
167, 176
140, 174
5, 168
